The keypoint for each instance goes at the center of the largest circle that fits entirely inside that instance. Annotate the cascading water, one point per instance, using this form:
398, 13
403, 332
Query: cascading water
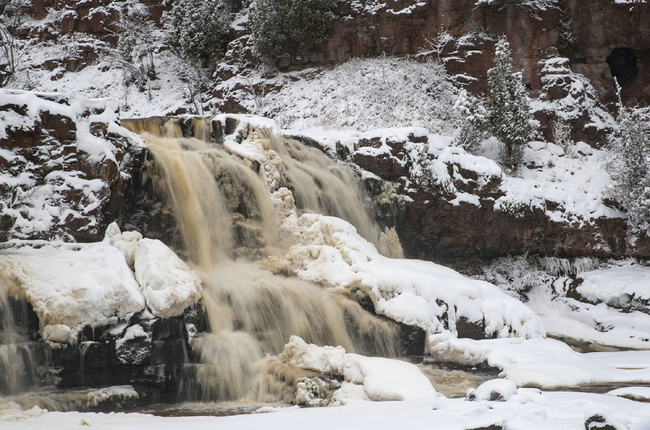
221, 197
24, 363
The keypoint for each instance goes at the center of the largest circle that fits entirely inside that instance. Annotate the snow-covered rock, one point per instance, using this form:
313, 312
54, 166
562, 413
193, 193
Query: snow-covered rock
62, 165
74, 285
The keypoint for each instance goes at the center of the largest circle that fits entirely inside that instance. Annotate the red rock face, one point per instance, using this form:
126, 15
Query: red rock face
432, 227
404, 28
61, 187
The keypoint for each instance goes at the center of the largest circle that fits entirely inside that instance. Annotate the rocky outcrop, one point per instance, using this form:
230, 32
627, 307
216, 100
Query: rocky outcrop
458, 217
143, 359
611, 39
64, 162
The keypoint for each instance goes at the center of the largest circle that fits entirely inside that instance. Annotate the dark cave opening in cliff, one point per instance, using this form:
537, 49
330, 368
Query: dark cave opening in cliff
622, 64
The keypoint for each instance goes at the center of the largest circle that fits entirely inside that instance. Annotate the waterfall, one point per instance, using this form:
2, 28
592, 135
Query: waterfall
24, 363
219, 188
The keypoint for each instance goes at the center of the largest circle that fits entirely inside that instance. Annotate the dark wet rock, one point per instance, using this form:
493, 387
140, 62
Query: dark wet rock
412, 340
490, 427
602, 421
146, 353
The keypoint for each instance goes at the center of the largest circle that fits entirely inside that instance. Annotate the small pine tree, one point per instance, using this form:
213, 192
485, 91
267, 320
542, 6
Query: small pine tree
629, 163
281, 24
504, 113
508, 113
567, 39
475, 128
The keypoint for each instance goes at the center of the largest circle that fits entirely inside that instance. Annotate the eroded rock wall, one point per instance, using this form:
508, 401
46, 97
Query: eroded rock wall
406, 28
64, 164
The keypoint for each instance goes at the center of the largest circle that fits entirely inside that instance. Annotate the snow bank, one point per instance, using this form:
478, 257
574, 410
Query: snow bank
71, 286
640, 394
614, 290
364, 94
621, 287
386, 379
168, 285
547, 363
493, 390
526, 410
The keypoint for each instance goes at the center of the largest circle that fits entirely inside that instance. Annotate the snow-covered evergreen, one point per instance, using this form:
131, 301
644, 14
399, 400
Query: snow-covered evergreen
629, 164
505, 113
279, 24
198, 29
509, 116
139, 41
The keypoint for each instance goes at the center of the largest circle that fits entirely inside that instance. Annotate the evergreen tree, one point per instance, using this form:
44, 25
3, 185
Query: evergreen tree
629, 163
281, 24
508, 113
567, 39
198, 29
504, 113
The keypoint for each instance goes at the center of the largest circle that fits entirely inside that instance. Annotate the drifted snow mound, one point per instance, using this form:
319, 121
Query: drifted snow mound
621, 287
74, 285
498, 390
328, 251
384, 379
169, 286
367, 378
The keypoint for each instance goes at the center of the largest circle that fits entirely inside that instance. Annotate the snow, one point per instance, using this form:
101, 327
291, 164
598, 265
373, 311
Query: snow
568, 187
133, 332
41, 187
617, 286
545, 287
366, 94
386, 379
326, 360
641, 394
368, 378
74, 285
580, 99
70, 286
539, 411
548, 363
168, 284
494, 389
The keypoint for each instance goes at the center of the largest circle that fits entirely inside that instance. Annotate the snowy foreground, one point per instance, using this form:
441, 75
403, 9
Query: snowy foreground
526, 409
